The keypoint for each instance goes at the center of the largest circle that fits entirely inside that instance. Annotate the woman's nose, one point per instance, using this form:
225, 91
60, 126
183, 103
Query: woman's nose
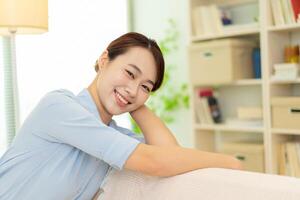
132, 89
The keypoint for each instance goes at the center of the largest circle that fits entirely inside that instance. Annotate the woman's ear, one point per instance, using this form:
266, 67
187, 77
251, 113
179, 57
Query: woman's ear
103, 59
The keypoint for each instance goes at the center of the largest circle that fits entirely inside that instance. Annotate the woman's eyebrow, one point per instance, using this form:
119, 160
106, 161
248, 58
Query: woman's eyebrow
140, 72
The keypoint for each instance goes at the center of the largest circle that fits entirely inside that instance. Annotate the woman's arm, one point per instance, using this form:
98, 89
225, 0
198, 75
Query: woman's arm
154, 130
172, 160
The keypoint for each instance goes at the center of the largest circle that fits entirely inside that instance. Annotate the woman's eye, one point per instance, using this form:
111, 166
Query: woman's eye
146, 88
130, 74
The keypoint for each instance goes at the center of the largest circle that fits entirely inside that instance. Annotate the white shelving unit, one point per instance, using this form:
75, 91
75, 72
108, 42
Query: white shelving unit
222, 127
249, 92
251, 31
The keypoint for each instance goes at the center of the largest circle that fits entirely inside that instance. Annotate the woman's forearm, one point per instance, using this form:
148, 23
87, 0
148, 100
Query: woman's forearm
173, 160
154, 130
178, 160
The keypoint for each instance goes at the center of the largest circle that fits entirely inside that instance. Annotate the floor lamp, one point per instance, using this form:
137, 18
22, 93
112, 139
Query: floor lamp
17, 17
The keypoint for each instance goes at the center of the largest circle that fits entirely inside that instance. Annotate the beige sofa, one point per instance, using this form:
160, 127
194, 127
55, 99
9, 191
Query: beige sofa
205, 184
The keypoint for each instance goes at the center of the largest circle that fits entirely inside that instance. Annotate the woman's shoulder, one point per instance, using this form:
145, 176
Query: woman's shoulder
61, 92
58, 96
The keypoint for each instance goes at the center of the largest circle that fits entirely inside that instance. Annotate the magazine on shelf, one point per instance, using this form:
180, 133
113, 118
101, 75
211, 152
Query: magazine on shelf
207, 20
285, 11
199, 111
289, 159
203, 112
207, 112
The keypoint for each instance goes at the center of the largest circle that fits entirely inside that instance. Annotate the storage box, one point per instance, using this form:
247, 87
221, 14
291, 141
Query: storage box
286, 71
251, 154
220, 61
249, 113
286, 112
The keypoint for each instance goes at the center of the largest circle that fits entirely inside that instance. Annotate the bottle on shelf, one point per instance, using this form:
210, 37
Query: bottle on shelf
256, 60
213, 104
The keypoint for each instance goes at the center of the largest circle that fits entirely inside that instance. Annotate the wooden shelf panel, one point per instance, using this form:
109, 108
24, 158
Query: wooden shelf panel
285, 131
252, 31
236, 2
242, 82
285, 28
224, 127
296, 81
248, 82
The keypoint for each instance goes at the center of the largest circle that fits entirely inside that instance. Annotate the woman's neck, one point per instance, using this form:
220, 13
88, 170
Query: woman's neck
106, 118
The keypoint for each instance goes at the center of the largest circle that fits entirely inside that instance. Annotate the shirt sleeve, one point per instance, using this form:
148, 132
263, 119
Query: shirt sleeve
66, 121
139, 137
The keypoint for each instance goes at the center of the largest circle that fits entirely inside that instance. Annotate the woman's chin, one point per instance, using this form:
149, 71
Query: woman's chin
118, 111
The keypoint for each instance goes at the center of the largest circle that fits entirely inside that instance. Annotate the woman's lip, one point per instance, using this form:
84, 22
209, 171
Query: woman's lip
119, 102
122, 96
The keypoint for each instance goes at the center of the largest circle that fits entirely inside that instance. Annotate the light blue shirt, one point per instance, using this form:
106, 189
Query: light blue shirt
63, 150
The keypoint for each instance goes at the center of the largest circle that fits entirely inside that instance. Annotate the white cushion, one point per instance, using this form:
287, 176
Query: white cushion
206, 184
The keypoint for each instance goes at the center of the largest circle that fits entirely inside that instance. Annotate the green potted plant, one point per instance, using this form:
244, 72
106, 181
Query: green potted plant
169, 97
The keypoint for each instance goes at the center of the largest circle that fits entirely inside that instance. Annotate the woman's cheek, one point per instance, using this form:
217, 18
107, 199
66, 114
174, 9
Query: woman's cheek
136, 105
146, 97
132, 109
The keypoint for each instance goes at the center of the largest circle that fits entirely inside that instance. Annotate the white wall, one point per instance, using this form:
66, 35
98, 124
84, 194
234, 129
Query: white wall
64, 57
150, 17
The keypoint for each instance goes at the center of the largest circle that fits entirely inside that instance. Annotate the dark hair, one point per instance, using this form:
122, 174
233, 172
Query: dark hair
132, 39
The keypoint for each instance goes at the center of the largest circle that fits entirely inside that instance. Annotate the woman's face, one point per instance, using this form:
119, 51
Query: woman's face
125, 83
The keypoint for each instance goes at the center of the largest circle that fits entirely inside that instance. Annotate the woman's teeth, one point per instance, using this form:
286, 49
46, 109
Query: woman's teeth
121, 98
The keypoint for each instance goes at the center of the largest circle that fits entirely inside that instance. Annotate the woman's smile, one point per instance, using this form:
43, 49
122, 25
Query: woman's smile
121, 101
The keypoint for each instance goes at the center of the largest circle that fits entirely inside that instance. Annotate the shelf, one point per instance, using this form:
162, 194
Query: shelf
248, 82
242, 82
247, 92
239, 32
223, 127
285, 81
236, 2
284, 28
285, 131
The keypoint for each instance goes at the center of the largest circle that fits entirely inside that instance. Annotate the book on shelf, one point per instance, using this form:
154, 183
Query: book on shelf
207, 112
288, 12
207, 20
215, 12
286, 66
296, 8
199, 111
282, 158
289, 159
285, 11
291, 149
203, 111
286, 71
277, 12
197, 21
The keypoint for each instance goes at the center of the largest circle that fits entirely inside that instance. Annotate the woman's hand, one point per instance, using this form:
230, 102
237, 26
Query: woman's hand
135, 112
153, 128
235, 163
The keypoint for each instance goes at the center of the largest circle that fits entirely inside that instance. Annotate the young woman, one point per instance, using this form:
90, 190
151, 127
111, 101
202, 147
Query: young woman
68, 143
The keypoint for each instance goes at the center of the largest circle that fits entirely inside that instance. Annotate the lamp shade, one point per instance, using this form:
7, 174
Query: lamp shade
23, 16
